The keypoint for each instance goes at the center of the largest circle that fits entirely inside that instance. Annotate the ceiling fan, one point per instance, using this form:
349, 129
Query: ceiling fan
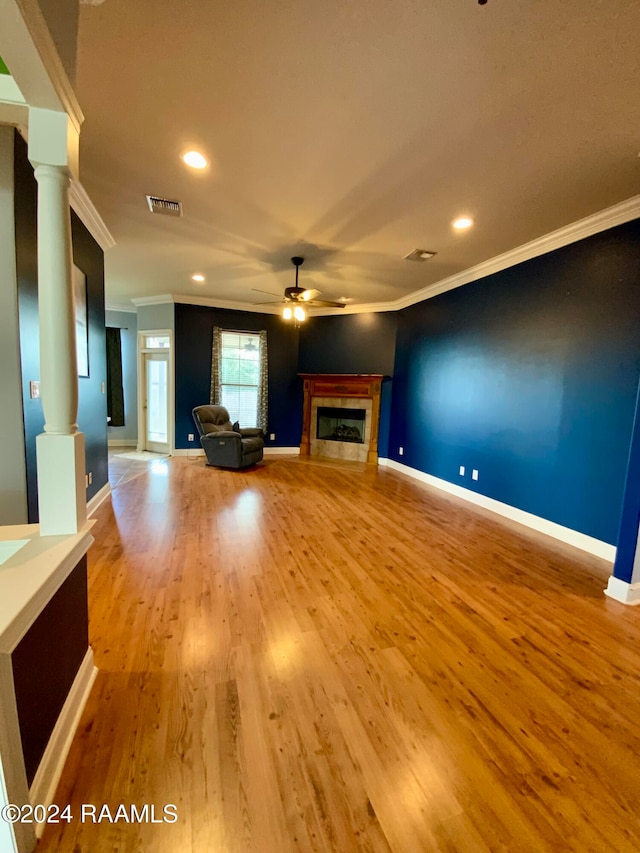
295, 297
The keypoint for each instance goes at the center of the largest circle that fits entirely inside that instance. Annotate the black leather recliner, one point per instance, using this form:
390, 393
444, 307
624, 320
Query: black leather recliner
225, 446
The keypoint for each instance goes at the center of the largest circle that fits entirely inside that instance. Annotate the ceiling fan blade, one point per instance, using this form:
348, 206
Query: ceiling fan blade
269, 292
275, 302
324, 303
309, 294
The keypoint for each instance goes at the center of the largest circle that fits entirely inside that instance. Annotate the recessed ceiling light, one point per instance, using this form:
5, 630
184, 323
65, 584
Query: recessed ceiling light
462, 222
198, 277
194, 159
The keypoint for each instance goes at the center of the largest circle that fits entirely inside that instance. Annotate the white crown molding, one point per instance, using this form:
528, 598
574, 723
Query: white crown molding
86, 210
212, 302
34, 62
126, 309
161, 299
618, 214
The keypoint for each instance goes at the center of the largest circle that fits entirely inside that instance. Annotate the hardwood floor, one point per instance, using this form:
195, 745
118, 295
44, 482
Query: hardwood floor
319, 657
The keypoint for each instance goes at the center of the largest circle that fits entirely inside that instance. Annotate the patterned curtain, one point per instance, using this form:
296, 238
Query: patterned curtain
216, 361
263, 390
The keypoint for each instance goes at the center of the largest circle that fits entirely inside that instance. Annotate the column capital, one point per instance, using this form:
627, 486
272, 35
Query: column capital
53, 140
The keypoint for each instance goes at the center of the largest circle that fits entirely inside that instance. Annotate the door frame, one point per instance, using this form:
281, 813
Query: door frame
142, 380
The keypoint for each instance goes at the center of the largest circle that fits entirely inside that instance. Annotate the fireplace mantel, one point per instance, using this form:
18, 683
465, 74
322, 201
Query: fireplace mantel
343, 385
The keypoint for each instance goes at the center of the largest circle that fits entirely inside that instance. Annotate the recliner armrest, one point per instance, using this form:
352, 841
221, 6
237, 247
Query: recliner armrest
249, 432
224, 433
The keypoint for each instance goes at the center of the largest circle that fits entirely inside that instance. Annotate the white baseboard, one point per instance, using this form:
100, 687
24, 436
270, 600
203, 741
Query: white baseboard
97, 499
627, 593
45, 782
122, 442
197, 451
542, 525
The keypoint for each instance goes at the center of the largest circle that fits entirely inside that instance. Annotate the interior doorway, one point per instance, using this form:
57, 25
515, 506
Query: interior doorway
155, 394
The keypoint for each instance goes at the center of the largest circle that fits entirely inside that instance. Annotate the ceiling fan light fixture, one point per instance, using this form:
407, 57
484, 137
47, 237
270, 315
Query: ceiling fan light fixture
287, 313
299, 314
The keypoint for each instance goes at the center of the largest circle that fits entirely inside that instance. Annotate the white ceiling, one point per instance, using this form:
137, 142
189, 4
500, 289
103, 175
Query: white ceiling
350, 132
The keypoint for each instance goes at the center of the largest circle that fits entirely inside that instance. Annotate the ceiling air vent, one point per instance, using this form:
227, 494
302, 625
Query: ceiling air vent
419, 255
164, 205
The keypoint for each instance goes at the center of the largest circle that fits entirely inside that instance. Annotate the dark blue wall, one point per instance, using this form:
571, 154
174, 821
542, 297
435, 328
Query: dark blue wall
530, 376
353, 343
92, 408
193, 342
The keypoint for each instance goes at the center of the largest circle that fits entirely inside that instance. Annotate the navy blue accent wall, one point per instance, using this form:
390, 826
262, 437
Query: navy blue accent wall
530, 376
628, 536
92, 408
353, 343
193, 342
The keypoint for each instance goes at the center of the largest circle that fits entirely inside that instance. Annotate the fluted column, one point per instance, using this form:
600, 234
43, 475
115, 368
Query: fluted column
60, 449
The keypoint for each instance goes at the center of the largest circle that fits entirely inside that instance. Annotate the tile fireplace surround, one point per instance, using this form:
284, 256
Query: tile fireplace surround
345, 390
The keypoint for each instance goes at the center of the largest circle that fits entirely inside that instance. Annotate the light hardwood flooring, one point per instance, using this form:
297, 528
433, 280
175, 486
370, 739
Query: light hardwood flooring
312, 656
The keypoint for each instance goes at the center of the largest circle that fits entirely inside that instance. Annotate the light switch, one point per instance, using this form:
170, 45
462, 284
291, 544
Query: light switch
34, 389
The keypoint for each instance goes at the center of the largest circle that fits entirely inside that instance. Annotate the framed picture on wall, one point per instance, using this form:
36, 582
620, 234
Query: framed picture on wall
82, 322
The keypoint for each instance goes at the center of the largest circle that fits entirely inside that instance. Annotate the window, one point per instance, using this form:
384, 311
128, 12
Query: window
156, 341
239, 375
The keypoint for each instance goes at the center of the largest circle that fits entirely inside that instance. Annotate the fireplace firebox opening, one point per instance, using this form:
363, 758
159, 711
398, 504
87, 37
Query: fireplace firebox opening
336, 424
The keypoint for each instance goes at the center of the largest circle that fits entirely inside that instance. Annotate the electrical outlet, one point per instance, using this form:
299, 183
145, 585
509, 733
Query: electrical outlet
272, 436
474, 474
401, 451
462, 470
190, 436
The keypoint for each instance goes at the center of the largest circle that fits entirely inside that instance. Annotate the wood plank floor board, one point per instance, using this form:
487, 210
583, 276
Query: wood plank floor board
314, 656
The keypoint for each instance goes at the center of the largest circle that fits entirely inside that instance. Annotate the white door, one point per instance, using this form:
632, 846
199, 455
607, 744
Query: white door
156, 402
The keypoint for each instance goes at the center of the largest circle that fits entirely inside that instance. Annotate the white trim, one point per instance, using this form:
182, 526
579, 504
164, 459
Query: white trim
212, 302
10, 92
188, 452
99, 498
162, 299
32, 57
126, 309
84, 207
122, 442
45, 782
618, 214
141, 387
627, 593
542, 525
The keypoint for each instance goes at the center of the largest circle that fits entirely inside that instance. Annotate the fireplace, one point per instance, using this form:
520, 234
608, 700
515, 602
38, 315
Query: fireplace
338, 424
340, 416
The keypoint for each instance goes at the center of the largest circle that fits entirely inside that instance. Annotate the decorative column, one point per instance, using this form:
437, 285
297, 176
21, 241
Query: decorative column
60, 449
